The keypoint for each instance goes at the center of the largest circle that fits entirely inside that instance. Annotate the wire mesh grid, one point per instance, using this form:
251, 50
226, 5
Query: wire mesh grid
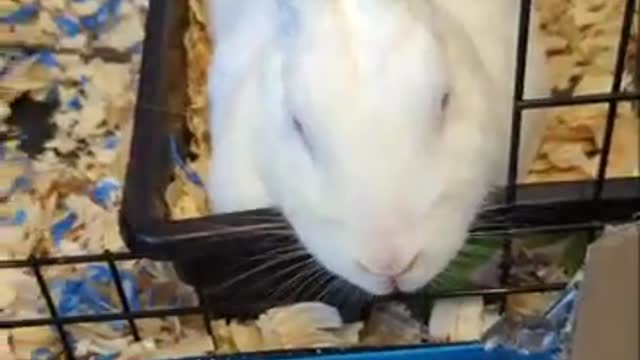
542, 208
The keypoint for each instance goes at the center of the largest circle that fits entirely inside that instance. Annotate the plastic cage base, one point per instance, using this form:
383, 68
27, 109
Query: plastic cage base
456, 352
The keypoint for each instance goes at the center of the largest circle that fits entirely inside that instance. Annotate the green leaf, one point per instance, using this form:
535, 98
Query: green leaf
474, 254
534, 242
574, 255
477, 248
449, 281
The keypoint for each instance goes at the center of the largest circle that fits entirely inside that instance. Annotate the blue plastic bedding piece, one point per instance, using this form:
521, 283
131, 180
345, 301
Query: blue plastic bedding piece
113, 356
451, 352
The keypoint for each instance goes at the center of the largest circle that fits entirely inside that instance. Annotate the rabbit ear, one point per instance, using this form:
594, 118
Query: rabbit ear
367, 29
288, 18
296, 22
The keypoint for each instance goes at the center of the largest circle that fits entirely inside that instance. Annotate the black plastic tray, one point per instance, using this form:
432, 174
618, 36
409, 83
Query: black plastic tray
209, 251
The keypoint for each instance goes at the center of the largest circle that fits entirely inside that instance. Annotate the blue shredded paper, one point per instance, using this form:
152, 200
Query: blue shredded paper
18, 219
191, 174
63, 227
47, 58
97, 22
68, 25
106, 191
130, 286
19, 183
42, 354
75, 103
81, 296
111, 142
23, 15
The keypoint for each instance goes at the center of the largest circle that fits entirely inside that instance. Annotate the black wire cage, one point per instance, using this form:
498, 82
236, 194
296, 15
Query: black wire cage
206, 251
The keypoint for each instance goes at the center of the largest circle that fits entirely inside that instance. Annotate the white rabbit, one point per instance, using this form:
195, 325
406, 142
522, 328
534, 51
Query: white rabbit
376, 126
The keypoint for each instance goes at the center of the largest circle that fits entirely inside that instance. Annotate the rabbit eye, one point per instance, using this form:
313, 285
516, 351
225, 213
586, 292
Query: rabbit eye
299, 128
444, 103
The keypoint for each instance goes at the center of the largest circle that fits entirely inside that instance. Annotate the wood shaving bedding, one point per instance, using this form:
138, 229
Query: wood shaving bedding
191, 200
582, 38
88, 186
74, 26
63, 199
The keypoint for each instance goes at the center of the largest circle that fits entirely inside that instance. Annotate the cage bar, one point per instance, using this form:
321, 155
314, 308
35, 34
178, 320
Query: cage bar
124, 302
46, 294
524, 22
623, 46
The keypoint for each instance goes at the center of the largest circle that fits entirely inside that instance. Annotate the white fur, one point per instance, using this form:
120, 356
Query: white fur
391, 180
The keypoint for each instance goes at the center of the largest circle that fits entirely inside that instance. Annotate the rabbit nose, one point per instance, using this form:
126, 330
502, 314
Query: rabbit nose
388, 266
